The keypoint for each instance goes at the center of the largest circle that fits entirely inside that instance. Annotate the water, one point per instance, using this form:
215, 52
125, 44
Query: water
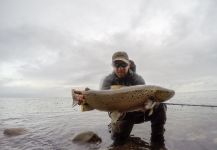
52, 123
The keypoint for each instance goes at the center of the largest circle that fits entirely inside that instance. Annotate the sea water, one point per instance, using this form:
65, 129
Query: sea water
51, 124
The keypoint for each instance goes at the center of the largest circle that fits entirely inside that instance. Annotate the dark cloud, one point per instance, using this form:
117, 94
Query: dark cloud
173, 44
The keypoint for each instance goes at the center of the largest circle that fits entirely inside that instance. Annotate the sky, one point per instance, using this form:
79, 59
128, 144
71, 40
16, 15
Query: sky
48, 47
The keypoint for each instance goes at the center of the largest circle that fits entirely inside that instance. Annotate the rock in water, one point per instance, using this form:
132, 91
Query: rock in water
14, 131
87, 137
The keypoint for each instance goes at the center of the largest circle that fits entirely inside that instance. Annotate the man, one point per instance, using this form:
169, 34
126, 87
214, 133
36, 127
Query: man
123, 75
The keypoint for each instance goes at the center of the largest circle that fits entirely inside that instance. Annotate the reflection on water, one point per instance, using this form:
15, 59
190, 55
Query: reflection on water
52, 123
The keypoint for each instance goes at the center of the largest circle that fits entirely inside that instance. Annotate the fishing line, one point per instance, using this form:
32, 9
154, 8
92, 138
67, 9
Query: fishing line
181, 104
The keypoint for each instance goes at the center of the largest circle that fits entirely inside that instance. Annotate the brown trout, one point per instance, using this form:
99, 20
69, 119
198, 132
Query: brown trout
123, 99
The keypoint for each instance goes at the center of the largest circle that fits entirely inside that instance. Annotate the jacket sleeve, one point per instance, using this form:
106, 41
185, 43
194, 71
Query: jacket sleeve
106, 84
138, 80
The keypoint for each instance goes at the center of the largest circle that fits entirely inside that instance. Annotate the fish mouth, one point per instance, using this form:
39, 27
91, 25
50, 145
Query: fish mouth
164, 94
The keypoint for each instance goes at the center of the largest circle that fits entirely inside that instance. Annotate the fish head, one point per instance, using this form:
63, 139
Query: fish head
163, 94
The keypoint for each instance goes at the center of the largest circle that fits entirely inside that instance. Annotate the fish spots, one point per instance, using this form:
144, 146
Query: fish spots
151, 98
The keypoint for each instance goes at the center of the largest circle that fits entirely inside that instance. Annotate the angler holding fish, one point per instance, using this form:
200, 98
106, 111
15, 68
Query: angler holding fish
129, 101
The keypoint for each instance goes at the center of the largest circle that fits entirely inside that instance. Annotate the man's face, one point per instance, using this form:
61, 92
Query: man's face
120, 68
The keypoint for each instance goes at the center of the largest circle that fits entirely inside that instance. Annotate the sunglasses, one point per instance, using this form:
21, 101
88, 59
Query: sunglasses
117, 65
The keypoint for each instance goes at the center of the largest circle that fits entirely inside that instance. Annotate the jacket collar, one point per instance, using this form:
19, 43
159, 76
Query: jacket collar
128, 75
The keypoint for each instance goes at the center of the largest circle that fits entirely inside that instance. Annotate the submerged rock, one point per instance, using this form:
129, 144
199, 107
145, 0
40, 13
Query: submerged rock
14, 131
87, 137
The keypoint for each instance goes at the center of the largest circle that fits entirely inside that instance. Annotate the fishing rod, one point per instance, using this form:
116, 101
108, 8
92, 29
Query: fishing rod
181, 104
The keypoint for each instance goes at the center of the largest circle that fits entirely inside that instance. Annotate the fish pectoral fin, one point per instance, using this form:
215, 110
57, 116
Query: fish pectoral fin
86, 107
150, 106
150, 112
115, 116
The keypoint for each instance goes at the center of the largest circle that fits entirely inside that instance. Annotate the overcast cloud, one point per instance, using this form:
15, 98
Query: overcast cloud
49, 46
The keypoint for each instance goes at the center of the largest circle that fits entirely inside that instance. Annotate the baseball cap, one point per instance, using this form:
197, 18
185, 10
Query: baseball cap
120, 55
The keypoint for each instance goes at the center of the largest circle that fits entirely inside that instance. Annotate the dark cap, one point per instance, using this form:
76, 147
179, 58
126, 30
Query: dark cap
121, 55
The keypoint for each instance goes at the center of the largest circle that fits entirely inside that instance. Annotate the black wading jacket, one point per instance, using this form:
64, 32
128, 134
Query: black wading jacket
130, 79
